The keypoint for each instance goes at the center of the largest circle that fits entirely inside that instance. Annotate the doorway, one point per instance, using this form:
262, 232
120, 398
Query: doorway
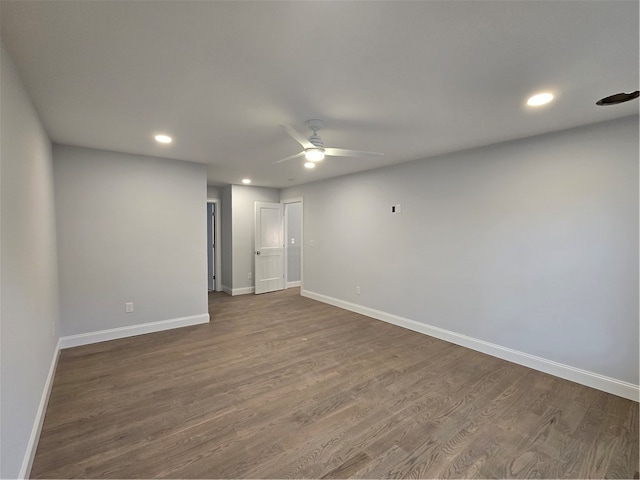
269, 247
214, 267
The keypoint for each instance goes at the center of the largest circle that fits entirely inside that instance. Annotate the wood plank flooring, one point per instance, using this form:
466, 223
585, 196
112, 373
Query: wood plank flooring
281, 386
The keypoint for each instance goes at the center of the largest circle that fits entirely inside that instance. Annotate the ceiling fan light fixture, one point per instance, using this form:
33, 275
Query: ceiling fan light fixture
309, 165
314, 154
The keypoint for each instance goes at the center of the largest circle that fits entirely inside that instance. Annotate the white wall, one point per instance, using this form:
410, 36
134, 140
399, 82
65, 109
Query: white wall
530, 245
243, 200
293, 213
130, 229
28, 278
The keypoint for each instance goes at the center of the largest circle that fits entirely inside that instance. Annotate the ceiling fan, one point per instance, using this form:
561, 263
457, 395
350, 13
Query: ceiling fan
314, 149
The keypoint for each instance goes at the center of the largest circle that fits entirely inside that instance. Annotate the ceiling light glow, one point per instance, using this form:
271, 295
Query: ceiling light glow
246, 181
540, 99
163, 138
310, 165
314, 154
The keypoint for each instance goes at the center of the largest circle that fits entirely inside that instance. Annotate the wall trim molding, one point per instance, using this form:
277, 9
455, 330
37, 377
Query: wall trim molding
243, 291
132, 330
32, 446
292, 284
567, 372
238, 291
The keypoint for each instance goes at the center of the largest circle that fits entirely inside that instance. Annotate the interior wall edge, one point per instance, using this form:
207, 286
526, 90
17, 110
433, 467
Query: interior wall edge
567, 372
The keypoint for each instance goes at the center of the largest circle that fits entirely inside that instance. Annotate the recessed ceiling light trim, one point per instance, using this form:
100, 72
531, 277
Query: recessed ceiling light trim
246, 181
310, 165
162, 138
540, 99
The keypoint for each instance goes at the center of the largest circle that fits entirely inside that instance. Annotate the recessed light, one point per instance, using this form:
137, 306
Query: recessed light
540, 99
163, 139
246, 181
310, 165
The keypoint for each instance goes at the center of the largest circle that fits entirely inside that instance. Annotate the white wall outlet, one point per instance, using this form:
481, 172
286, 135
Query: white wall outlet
312, 243
249, 275
396, 208
358, 290
128, 307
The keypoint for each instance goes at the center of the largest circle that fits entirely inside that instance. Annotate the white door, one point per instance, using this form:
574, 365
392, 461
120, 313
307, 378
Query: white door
269, 252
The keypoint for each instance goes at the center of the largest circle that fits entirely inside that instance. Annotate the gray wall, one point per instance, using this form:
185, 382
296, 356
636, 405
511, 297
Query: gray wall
28, 278
531, 244
293, 237
243, 218
130, 229
213, 192
226, 237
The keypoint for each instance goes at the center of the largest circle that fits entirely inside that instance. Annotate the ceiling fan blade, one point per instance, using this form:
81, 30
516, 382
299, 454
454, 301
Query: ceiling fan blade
298, 137
290, 158
341, 152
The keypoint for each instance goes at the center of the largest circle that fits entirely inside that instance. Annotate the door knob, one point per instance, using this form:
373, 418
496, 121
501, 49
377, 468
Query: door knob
258, 252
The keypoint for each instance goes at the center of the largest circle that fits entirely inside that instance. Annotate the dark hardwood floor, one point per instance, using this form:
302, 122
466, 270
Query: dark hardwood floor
281, 386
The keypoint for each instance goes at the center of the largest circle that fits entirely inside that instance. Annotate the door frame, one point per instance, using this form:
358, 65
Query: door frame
216, 242
286, 201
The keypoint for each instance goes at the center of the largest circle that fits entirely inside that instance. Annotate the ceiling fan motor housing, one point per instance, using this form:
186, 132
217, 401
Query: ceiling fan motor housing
316, 140
314, 126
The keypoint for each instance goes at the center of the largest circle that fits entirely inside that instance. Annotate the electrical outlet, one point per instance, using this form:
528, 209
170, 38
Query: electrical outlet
128, 307
358, 290
396, 208
249, 275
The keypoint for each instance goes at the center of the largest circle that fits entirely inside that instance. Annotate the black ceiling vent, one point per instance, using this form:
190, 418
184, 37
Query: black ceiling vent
618, 98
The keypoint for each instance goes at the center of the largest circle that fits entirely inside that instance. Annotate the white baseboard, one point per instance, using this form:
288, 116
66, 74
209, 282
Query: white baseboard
583, 377
293, 284
238, 291
131, 331
32, 446
243, 291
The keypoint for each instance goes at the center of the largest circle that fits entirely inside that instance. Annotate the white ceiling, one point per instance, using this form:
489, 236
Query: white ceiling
410, 79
